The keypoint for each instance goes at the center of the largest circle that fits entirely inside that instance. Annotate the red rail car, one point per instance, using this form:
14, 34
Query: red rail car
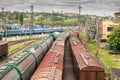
3, 48
86, 66
51, 67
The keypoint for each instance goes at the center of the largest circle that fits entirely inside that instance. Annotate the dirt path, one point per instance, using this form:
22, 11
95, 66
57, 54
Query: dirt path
68, 66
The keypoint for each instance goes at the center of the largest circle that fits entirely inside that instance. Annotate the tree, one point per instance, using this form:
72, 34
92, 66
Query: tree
114, 37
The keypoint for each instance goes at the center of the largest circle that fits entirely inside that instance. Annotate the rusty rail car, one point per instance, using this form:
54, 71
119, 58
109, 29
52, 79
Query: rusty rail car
86, 66
51, 67
3, 49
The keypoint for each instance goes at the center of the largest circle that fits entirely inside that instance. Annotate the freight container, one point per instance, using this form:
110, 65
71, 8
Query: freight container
3, 48
86, 66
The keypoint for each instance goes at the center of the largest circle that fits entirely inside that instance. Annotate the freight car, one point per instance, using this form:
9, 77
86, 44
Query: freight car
38, 30
51, 67
22, 66
26, 31
12, 32
86, 66
3, 49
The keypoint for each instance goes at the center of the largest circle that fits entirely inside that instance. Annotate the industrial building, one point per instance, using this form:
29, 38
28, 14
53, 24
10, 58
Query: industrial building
104, 28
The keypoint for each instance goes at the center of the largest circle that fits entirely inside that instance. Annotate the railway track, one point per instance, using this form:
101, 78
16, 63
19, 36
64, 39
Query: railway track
19, 41
69, 73
16, 51
22, 44
13, 43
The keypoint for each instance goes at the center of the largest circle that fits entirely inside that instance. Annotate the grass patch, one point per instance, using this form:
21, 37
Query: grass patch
13, 48
83, 34
108, 61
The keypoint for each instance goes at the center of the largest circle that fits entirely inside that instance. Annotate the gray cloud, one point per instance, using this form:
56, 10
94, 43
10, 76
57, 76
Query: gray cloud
107, 7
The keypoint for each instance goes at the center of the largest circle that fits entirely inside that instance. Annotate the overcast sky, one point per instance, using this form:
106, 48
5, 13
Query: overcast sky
99, 7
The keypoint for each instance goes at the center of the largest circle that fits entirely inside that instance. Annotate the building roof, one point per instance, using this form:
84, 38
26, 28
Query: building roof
109, 23
117, 12
84, 58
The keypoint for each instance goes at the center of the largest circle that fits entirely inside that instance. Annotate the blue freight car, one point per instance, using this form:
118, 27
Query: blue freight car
12, 32
38, 30
26, 31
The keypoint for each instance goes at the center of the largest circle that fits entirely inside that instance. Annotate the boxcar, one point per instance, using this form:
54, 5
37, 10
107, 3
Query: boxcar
3, 48
86, 66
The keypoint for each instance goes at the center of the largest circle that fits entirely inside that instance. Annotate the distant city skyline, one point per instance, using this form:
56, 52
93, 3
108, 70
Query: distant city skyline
96, 7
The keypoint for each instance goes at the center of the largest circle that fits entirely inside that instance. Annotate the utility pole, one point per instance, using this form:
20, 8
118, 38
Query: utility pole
79, 24
74, 22
2, 16
2, 10
4, 27
53, 17
79, 15
98, 21
31, 18
61, 19
31, 14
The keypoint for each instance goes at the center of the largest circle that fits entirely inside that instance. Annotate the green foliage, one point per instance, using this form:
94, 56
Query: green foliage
108, 61
114, 37
45, 18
